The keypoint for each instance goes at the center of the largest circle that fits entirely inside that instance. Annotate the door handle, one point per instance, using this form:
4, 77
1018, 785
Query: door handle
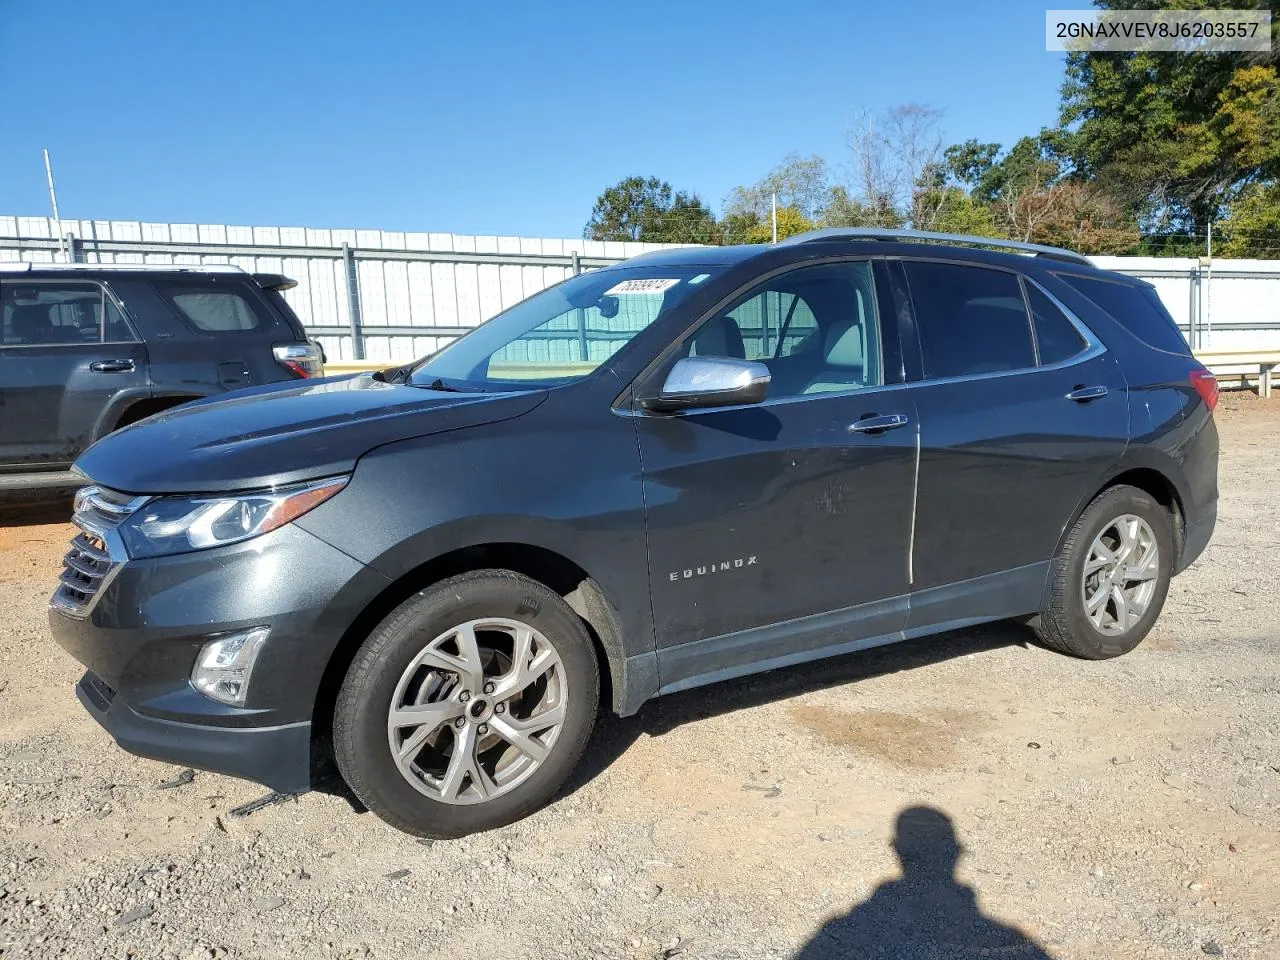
1085, 394
879, 424
112, 366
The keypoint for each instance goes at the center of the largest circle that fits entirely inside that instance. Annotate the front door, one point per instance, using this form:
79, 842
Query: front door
65, 354
781, 529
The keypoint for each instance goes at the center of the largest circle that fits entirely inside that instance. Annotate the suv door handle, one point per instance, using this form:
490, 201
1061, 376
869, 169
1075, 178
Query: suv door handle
879, 424
1085, 394
112, 366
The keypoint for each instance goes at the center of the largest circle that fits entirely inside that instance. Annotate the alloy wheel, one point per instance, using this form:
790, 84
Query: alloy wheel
1120, 574
477, 711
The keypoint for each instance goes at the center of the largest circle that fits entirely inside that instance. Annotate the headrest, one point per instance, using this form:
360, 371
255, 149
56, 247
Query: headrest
842, 345
720, 337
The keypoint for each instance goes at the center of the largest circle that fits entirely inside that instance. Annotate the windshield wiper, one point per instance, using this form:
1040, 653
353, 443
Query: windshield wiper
440, 385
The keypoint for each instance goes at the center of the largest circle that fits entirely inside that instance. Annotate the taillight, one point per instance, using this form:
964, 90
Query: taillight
1206, 385
303, 360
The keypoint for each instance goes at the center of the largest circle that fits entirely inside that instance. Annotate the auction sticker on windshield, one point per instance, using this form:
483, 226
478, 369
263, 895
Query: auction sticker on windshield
640, 286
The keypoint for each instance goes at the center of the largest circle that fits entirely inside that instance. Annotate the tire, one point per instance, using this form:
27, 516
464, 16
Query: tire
1066, 624
438, 791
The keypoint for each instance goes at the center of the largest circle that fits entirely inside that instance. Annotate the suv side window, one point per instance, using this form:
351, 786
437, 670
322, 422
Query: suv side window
213, 309
816, 329
1056, 338
49, 313
971, 320
1137, 308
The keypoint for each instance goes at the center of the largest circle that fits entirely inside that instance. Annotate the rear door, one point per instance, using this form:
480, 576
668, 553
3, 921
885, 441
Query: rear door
221, 333
69, 363
1022, 413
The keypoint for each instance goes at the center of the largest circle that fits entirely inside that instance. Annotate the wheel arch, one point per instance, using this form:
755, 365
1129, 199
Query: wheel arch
557, 572
1156, 480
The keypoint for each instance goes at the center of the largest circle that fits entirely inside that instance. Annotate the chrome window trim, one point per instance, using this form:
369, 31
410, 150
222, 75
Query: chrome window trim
107, 293
1095, 348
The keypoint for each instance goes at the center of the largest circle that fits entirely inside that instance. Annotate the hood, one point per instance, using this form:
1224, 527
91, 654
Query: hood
282, 433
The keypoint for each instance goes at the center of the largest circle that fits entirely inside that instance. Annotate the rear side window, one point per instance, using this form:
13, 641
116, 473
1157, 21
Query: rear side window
1056, 338
1138, 308
214, 309
48, 313
970, 320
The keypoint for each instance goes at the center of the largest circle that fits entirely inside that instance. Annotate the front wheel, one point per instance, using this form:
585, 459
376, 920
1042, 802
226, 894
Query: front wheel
1109, 580
468, 707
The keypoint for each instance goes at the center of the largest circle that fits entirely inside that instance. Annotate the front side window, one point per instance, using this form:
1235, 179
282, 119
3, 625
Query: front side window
563, 333
815, 328
44, 314
970, 320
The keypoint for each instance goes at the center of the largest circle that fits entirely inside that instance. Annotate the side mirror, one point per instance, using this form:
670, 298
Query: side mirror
710, 382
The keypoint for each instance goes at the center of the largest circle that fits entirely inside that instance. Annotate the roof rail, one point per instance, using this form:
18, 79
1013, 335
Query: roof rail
884, 233
25, 266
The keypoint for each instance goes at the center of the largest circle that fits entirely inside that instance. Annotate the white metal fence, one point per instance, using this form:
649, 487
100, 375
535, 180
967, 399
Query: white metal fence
380, 295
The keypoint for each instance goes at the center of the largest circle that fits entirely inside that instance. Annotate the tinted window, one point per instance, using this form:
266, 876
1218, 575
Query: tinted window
213, 309
815, 328
59, 313
970, 320
1056, 337
1138, 308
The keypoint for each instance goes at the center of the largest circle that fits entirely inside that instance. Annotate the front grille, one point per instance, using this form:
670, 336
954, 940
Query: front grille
92, 559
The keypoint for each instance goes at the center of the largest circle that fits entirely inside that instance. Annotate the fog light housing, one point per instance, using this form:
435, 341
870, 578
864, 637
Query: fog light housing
223, 667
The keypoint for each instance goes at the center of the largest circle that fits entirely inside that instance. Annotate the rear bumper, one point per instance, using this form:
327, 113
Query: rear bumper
278, 757
1197, 535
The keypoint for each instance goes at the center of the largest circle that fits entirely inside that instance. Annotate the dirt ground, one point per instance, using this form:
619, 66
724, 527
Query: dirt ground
1127, 809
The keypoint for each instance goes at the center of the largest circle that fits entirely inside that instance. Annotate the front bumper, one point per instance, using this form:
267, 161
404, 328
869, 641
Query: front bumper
277, 757
140, 637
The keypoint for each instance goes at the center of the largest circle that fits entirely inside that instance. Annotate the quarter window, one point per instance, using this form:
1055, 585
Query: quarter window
45, 314
1138, 308
213, 310
815, 328
970, 320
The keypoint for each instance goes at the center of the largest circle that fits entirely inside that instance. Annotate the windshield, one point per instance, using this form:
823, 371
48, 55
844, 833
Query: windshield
563, 333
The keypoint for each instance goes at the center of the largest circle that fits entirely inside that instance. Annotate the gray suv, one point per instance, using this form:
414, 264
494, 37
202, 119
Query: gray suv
88, 348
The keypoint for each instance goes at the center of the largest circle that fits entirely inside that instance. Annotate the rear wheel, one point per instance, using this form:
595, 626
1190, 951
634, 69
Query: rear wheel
468, 707
1110, 578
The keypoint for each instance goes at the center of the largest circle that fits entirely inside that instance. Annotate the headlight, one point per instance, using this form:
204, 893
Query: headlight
180, 524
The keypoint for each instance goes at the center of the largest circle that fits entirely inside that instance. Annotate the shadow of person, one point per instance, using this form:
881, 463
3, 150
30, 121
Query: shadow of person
926, 914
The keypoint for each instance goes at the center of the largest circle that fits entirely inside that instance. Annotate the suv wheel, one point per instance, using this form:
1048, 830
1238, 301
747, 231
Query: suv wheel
1109, 580
468, 706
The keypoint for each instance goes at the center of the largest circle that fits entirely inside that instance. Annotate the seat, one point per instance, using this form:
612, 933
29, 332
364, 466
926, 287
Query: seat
31, 324
719, 337
843, 358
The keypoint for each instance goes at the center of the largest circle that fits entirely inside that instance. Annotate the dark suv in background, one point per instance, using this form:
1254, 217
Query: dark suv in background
693, 465
88, 348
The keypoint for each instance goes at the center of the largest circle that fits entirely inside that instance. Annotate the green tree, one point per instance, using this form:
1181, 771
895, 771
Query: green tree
649, 209
843, 210
799, 183
1173, 136
1252, 226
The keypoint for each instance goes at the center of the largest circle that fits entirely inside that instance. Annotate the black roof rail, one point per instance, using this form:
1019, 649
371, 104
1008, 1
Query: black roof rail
891, 235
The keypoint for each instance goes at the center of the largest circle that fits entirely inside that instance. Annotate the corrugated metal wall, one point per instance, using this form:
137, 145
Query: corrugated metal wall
416, 291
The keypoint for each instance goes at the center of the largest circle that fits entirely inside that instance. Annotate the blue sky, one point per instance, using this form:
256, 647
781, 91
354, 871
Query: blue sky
493, 117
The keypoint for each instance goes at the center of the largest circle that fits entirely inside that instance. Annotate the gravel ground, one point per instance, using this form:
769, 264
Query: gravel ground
1128, 809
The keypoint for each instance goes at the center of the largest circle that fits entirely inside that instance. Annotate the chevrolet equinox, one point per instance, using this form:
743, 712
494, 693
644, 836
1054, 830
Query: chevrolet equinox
696, 464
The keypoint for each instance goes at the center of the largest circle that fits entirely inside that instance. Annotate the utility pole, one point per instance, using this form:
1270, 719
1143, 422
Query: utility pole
53, 199
775, 218
1207, 327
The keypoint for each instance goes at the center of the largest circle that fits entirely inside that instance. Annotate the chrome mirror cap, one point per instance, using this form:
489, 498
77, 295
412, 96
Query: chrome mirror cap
710, 382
